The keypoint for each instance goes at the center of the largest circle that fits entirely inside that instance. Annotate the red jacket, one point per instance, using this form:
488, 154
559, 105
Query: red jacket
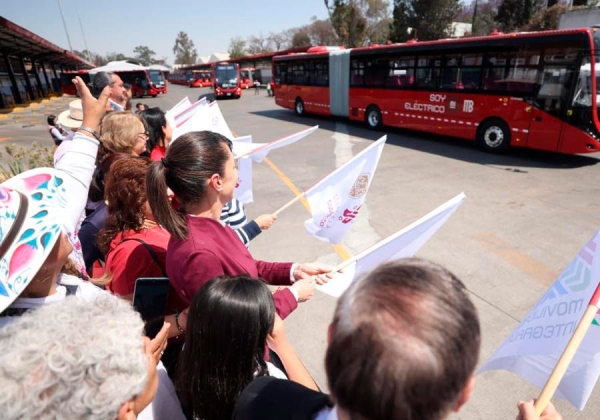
213, 250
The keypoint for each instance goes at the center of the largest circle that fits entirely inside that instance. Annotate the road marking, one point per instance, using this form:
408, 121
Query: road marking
524, 263
341, 251
5, 138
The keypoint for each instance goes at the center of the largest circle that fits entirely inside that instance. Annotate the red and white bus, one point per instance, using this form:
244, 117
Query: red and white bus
66, 80
201, 78
246, 77
226, 78
144, 82
536, 90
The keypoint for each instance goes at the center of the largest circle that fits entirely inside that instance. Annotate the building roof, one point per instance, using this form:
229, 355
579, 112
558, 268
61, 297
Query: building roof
118, 66
16, 40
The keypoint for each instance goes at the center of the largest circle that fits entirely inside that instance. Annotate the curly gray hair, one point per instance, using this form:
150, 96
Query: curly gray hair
73, 360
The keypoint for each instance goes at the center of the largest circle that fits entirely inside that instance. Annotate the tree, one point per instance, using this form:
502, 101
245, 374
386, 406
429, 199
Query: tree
301, 39
278, 40
184, 50
515, 14
321, 32
237, 47
144, 55
431, 19
258, 44
484, 20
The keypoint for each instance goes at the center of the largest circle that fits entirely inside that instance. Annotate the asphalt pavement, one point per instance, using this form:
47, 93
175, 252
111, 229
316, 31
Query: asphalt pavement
526, 216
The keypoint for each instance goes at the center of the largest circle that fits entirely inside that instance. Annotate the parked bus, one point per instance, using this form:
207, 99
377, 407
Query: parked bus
201, 78
536, 90
66, 80
158, 80
142, 83
226, 78
246, 77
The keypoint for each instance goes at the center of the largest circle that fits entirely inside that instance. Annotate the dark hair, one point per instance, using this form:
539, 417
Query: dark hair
155, 121
51, 119
126, 85
227, 328
404, 342
186, 169
125, 192
140, 104
100, 81
96, 191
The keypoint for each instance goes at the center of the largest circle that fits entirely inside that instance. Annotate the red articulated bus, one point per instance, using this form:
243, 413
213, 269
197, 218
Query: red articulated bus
535, 90
247, 77
144, 82
226, 78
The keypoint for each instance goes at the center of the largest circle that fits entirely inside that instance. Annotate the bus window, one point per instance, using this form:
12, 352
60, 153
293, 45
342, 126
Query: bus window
428, 72
320, 74
554, 89
357, 73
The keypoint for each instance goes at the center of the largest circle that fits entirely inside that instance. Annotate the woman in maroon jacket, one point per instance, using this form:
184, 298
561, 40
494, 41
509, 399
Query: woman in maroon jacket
200, 170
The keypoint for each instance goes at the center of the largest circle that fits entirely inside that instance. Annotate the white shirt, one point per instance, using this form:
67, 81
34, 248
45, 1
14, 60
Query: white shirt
327, 414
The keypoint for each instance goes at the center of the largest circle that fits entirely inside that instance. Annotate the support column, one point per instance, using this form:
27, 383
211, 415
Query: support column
13, 80
37, 78
27, 81
57, 85
48, 85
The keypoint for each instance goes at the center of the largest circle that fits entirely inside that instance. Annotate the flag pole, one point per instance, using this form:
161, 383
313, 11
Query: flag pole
290, 203
567, 356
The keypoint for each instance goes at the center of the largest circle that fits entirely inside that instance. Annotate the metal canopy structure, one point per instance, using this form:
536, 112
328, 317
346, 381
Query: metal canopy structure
30, 66
18, 41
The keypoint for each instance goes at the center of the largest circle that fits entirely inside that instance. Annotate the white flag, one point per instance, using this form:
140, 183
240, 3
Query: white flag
218, 123
177, 109
534, 347
243, 192
402, 244
260, 150
336, 200
194, 118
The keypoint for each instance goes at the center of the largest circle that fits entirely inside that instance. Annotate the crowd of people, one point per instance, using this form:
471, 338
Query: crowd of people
124, 202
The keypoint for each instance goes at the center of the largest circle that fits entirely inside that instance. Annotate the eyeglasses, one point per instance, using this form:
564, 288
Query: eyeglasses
145, 133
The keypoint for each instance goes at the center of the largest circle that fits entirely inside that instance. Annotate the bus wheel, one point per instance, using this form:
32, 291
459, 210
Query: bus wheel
373, 117
299, 108
494, 136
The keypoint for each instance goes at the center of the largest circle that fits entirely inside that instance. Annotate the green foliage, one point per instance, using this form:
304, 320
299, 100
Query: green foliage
184, 50
515, 14
144, 55
546, 19
17, 159
430, 19
357, 22
237, 47
300, 39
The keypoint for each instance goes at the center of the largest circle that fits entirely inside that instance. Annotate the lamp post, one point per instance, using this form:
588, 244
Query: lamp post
65, 25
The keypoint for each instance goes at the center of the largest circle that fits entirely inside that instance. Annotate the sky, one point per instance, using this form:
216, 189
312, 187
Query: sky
120, 26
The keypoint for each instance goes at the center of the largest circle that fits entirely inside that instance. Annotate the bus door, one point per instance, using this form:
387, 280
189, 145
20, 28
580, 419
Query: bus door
550, 107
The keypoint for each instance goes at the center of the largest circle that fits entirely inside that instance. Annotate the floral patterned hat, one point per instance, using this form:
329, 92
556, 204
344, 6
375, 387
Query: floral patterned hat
29, 228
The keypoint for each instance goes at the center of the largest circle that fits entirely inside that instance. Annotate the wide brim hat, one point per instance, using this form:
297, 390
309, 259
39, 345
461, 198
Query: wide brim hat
30, 215
72, 117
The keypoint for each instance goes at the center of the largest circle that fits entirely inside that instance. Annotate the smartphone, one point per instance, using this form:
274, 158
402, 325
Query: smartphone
150, 300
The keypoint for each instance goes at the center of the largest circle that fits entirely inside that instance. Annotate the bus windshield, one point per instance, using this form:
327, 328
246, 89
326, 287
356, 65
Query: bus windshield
227, 76
156, 77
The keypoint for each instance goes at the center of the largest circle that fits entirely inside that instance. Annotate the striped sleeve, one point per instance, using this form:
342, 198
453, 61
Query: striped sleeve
234, 216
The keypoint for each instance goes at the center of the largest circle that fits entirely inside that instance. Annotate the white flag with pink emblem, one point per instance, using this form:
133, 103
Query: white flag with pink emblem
336, 200
533, 348
196, 117
177, 109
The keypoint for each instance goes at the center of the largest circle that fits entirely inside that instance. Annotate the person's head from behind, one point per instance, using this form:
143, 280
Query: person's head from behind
125, 193
403, 344
159, 128
51, 120
105, 78
199, 168
227, 328
124, 132
139, 107
83, 361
